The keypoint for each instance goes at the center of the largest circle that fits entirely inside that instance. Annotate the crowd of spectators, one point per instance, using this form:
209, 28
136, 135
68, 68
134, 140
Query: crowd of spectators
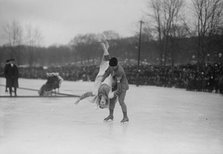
208, 78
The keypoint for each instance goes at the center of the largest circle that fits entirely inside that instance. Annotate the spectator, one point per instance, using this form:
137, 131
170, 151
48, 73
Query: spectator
12, 75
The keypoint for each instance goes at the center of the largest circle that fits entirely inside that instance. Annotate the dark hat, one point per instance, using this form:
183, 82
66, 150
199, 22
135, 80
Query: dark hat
8, 60
113, 61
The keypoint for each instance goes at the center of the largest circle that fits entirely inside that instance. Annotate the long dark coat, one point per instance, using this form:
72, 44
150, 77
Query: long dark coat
11, 75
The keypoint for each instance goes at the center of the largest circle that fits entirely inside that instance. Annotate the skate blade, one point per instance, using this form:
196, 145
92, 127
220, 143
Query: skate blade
108, 121
124, 122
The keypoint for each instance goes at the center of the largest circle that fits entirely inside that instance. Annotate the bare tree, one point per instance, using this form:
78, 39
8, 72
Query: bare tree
14, 35
18, 37
156, 16
209, 19
32, 40
83, 45
166, 14
33, 36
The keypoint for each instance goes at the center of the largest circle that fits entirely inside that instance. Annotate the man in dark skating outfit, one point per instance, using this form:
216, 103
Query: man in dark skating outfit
118, 73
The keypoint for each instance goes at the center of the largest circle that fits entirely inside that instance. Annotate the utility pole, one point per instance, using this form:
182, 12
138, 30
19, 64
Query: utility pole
139, 47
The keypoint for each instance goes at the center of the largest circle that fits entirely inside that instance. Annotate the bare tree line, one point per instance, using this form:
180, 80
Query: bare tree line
167, 37
18, 36
170, 23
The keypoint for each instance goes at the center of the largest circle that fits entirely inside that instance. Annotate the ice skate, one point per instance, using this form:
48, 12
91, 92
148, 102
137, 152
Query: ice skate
126, 119
110, 117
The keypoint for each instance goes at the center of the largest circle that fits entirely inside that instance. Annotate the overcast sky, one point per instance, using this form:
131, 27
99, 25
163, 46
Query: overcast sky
60, 20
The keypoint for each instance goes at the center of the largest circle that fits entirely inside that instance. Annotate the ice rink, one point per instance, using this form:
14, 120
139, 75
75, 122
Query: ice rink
162, 121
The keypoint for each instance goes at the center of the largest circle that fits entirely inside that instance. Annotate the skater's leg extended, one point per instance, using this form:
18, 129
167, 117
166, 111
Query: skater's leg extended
85, 95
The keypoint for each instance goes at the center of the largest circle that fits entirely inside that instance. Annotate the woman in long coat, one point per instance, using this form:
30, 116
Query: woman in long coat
12, 74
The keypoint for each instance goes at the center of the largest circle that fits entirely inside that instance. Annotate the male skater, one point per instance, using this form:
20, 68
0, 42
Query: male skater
117, 72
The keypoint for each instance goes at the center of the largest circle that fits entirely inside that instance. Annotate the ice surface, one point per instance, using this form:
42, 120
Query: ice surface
162, 121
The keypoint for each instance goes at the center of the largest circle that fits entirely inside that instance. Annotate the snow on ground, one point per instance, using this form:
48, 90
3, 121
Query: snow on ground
162, 121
